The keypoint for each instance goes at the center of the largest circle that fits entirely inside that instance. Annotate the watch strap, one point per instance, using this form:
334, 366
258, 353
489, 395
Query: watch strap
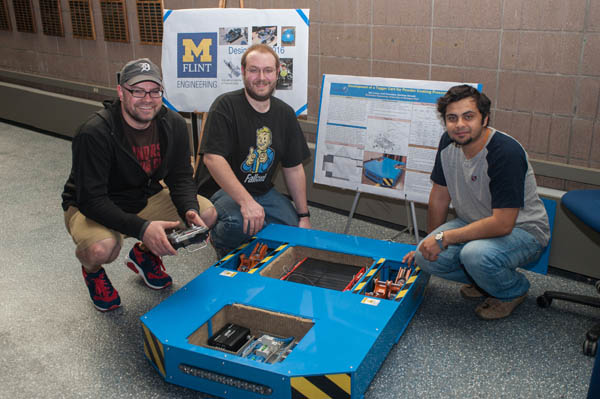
440, 240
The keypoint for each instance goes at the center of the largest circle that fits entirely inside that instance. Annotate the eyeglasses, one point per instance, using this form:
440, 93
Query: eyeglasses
141, 93
265, 71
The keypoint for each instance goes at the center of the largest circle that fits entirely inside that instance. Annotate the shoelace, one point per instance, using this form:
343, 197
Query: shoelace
158, 267
101, 286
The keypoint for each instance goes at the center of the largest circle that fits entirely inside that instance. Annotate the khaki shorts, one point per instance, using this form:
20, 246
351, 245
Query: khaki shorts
86, 232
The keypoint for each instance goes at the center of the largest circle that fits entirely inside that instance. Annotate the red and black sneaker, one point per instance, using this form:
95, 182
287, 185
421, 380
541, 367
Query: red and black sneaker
149, 266
103, 295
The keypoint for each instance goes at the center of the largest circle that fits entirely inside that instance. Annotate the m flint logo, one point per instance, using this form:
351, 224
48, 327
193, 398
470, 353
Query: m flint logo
197, 55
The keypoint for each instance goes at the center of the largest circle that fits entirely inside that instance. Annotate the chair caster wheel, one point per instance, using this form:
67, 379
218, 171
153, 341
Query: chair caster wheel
590, 347
543, 301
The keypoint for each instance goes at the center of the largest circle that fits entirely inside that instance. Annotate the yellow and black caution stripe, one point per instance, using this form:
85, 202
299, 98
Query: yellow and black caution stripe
409, 282
154, 350
268, 258
387, 182
232, 254
369, 274
328, 386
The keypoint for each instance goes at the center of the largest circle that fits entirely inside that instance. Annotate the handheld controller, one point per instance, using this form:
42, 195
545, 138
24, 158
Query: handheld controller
182, 238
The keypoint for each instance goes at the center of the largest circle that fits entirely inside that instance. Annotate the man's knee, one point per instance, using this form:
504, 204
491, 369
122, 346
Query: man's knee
420, 260
99, 253
228, 233
209, 216
444, 264
474, 255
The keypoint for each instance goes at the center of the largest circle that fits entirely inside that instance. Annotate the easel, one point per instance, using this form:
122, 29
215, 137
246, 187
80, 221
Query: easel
197, 134
411, 217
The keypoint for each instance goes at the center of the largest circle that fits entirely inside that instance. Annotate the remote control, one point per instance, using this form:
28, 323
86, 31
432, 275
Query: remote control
182, 238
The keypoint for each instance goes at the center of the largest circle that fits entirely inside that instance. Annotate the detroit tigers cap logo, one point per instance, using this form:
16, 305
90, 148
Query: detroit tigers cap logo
145, 67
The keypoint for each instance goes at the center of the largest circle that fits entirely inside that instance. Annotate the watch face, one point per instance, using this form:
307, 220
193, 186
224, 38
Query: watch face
439, 236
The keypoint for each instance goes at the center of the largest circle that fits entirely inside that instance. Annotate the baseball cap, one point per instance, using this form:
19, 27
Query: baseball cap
140, 70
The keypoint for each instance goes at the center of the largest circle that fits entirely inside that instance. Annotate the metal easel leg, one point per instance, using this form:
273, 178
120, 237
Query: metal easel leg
351, 215
408, 228
414, 221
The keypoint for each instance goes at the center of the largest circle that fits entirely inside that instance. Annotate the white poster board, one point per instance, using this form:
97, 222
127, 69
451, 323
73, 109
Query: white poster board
202, 50
379, 135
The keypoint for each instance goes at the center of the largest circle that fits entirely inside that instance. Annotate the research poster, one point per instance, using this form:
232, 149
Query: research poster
379, 135
202, 51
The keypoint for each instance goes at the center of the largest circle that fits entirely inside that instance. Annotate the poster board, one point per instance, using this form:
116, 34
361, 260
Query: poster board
379, 135
202, 51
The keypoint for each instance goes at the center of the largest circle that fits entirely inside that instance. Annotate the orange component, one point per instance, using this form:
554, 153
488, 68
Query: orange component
381, 289
250, 261
386, 289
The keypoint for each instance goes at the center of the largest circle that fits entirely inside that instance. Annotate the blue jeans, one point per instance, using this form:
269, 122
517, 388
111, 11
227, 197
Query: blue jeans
490, 263
227, 232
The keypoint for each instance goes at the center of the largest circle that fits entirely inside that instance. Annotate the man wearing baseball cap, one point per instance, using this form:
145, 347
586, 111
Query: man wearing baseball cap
122, 155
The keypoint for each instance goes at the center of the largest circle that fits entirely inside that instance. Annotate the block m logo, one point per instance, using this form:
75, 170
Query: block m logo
201, 50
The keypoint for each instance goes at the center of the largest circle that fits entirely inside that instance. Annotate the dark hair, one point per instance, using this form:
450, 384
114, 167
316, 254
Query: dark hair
261, 48
460, 92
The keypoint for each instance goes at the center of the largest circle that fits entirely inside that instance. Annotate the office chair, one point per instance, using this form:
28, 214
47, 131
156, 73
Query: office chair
585, 206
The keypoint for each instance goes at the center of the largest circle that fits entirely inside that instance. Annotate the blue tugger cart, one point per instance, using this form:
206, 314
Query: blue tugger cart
299, 324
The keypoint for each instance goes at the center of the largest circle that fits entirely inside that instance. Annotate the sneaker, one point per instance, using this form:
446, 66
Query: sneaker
493, 308
103, 295
471, 291
149, 266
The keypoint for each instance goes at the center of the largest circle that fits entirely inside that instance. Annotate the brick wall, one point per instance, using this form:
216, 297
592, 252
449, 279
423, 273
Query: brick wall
539, 60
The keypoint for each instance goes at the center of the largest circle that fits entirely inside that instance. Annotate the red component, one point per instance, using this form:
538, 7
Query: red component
293, 268
355, 279
250, 262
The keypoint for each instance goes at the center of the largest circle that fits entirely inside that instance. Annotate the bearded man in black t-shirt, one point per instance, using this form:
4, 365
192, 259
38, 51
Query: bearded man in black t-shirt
248, 134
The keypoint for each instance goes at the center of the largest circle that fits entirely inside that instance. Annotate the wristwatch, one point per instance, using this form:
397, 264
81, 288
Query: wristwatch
439, 237
303, 215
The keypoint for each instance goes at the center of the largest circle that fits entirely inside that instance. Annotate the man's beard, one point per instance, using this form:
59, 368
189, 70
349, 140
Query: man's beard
137, 115
456, 143
256, 96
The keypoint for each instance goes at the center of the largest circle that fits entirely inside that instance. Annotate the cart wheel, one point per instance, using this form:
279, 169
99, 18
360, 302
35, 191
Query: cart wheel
543, 301
590, 347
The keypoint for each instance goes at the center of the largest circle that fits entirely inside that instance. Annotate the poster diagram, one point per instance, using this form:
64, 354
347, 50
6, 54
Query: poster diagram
379, 135
202, 61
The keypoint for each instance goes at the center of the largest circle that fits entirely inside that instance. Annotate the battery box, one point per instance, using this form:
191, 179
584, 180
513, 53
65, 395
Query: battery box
231, 337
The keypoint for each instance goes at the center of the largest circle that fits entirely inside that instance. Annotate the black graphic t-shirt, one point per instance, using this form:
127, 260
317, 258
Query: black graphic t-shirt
145, 146
253, 143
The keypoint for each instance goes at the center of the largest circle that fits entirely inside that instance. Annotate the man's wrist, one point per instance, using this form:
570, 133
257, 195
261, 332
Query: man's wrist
303, 214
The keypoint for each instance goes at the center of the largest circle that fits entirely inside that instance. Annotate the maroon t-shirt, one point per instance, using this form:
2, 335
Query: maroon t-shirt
145, 146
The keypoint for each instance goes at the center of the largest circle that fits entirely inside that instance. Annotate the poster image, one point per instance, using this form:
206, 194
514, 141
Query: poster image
264, 35
234, 36
288, 36
285, 79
